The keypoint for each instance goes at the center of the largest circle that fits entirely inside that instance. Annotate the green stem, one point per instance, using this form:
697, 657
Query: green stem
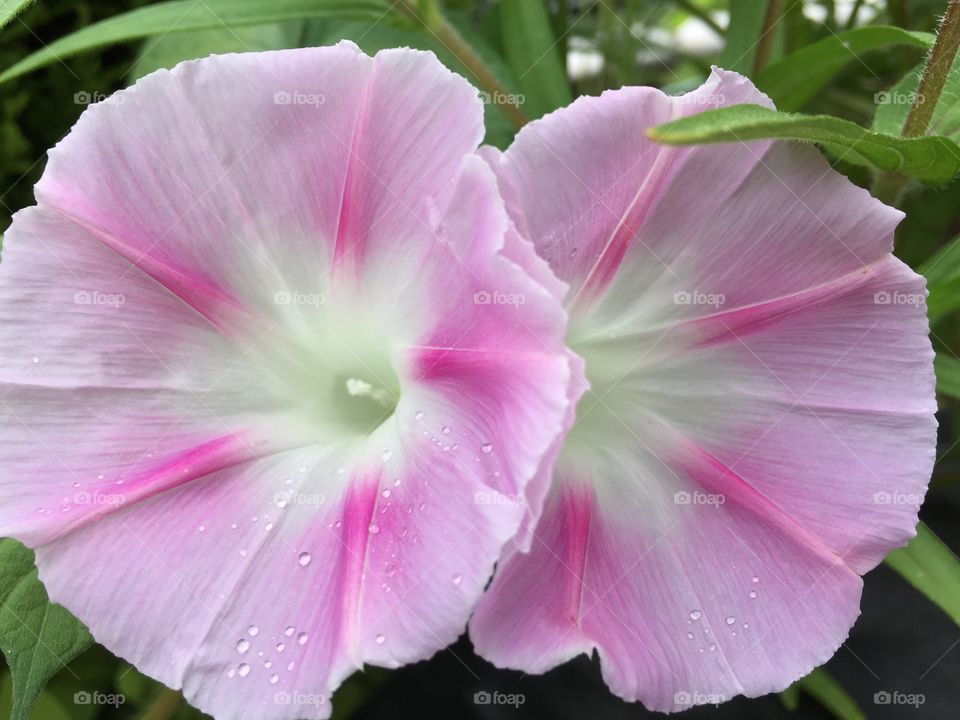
889, 186
691, 8
935, 73
429, 15
164, 706
852, 20
767, 36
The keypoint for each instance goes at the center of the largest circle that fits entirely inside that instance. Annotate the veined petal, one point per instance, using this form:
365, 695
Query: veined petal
277, 385
759, 428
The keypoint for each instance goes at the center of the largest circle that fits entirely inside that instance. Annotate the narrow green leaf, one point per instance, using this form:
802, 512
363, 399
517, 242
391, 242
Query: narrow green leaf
36, 637
933, 159
948, 374
829, 693
942, 272
746, 19
932, 568
793, 81
182, 15
9, 8
534, 56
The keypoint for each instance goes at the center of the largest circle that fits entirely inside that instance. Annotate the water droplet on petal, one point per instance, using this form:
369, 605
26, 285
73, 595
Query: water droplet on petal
373, 528
385, 493
445, 430
302, 638
690, 635
380, 639
289, 631
486, 448
755, 579
267, 664
695, 614
753, 593
304, 559
274, 679
291, 665
243, 646
387, 454
730, 620
243, 670
457, 579
713, 648
418, 415
280, 647
253, 630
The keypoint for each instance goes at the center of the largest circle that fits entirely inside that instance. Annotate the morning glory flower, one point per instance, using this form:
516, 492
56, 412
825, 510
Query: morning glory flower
759, 430
274, 378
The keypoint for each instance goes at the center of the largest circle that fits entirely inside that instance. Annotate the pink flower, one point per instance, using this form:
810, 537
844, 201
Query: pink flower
274, 379
759, 431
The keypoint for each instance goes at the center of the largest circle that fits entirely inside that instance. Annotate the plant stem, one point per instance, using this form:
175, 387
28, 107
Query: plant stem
935, 73
691, 8
889, 186
767, 36
852, 20
164, 706
429, 15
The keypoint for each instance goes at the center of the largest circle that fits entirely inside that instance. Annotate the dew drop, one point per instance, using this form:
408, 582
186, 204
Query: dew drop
690, 635
267, 664
268, 527
302, 638
201, 528
755, 579
730, 620
281, 647
457, 579
396, 483
243, 646
253, 630
380, 639
289, 630
753, 593
486, 448
385, 493
231, 672
403, 532
418, 415
387, 454
445, 430
291, 665
695, 614
35, 359
243, 670
304, 559
373, 529
713, 648
274, 679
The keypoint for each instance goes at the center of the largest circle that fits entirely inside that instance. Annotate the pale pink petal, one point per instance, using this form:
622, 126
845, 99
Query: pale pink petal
747, 336
258, 409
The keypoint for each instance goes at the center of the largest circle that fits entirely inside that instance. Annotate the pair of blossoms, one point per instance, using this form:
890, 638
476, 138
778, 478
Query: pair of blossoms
314, 429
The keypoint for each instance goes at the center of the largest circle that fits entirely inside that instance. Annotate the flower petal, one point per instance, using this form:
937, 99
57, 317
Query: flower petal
323, 394
752, 349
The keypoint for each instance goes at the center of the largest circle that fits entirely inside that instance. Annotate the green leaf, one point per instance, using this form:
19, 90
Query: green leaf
533, 54
9, 8
933, 159
793, 81
932, 568
36, 637
183, 15
168, 50
829, 693
948, 374
894, 105
942, 272
746, 19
